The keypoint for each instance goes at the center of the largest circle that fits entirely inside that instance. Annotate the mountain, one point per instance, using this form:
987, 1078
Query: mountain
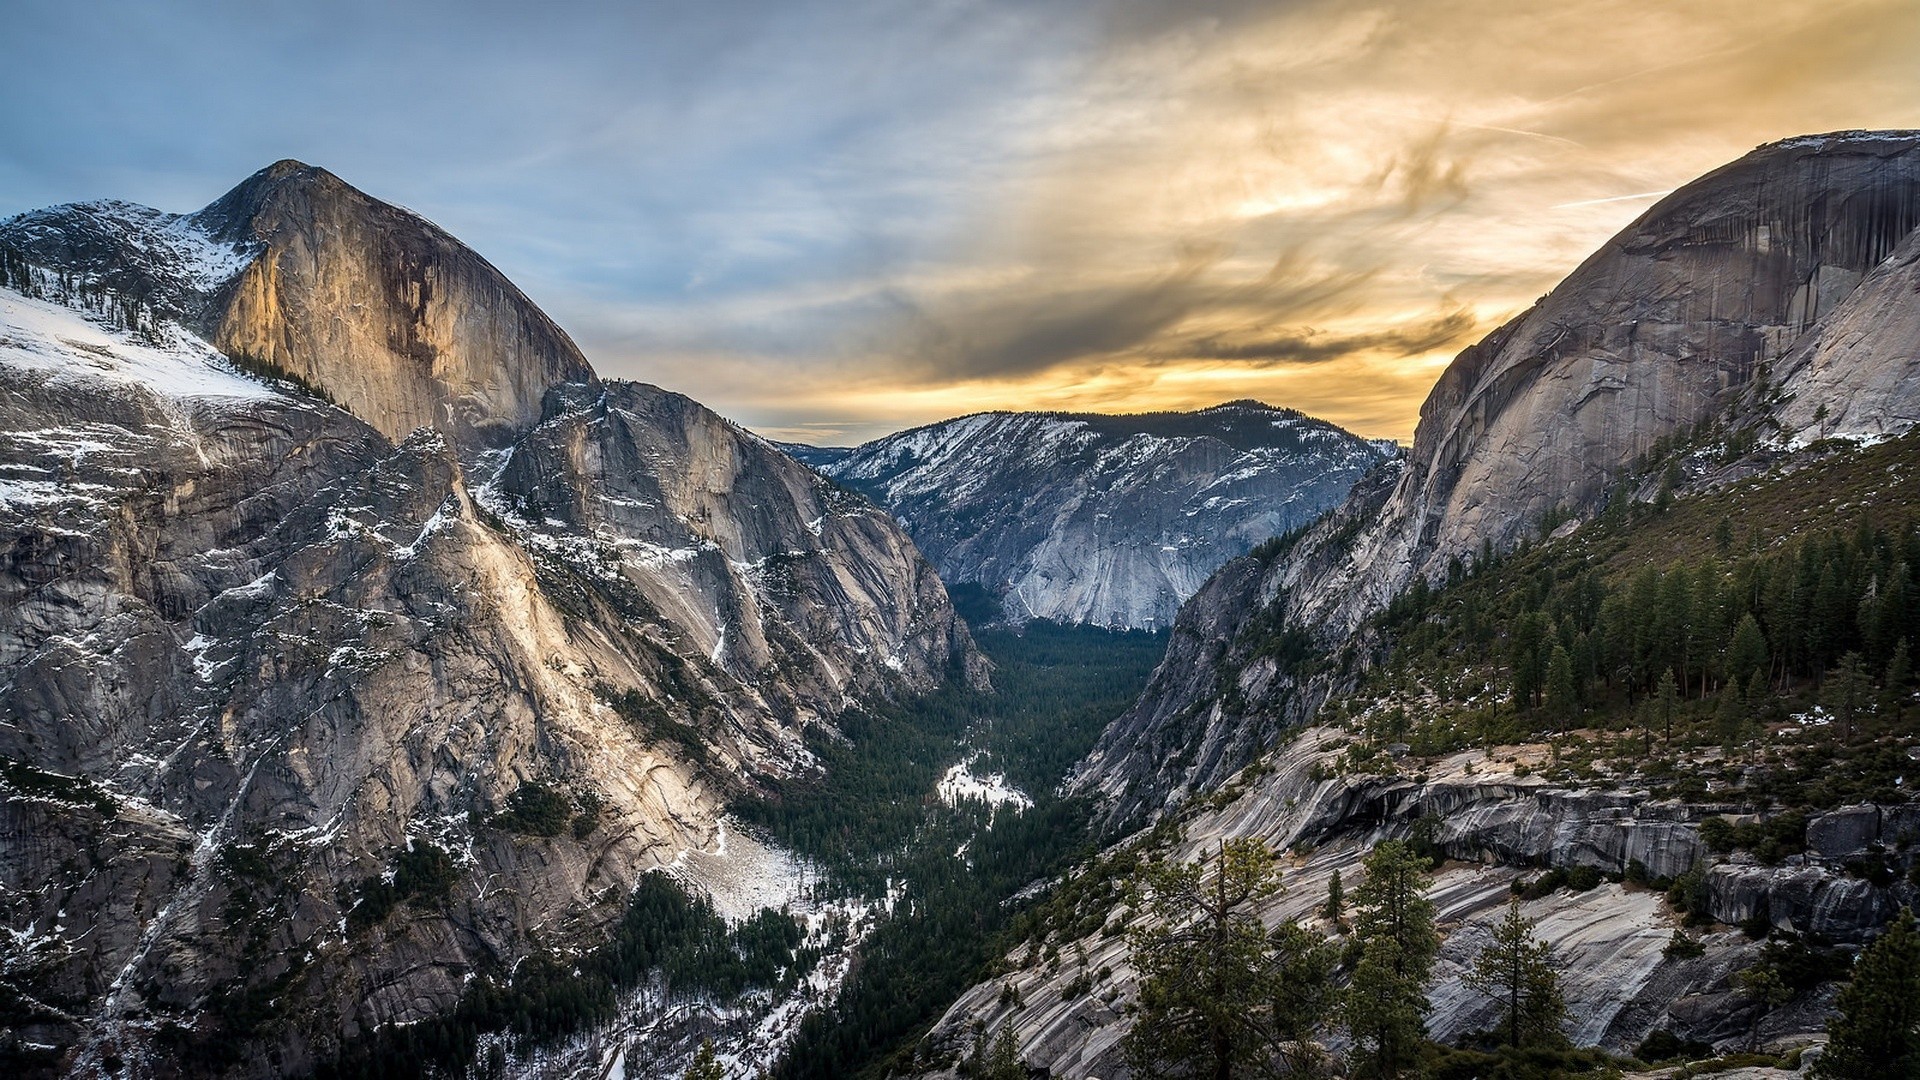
1771, 297
818, 457
359, 646
1109, 520
1515, 649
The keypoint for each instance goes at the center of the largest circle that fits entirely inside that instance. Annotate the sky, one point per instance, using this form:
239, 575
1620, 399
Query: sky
830, 220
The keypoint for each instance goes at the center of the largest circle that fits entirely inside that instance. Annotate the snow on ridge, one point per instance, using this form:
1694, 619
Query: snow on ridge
177, 245
39, 336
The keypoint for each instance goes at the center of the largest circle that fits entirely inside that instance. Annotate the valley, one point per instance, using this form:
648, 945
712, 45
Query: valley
385, 692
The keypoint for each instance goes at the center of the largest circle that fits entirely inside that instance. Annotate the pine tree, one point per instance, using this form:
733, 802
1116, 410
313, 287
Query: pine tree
1666, 701
1748, 651
1730, 716
1517, 970
1846, 691
1561, 701
1206, 984
1335, 909
1304, 996
705, 1066
1876, 1035
998, 1060
1386, 1001
1899, 671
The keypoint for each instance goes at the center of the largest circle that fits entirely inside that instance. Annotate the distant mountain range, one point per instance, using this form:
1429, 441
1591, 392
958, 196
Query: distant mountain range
1112, 520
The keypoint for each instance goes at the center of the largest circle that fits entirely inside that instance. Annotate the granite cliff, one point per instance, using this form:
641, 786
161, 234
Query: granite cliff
331, 573
1770, 300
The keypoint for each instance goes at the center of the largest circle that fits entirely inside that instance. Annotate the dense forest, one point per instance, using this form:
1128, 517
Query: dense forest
1773, 620
874, 821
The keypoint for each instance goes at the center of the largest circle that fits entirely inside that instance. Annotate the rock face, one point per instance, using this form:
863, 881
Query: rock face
257, 651
1109, 520
1495, 827
1739, 271
297, 271
1797, 263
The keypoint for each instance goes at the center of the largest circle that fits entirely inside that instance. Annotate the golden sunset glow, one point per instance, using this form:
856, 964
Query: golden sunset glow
1317, 205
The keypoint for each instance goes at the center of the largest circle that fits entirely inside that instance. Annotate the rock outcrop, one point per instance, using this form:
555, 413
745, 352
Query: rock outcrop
1776, 291
297, 272
1108, 520
1666, 325
259, 651
1495, 826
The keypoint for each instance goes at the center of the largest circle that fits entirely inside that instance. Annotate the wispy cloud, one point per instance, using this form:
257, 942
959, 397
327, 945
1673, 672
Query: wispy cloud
835, 217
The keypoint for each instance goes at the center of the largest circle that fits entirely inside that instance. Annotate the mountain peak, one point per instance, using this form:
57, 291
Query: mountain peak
393, 316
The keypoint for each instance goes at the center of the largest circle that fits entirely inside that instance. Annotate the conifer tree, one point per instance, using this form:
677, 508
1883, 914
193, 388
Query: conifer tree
1876, 1035
1730, 715
1386, 1001
1748, 651
1517, 970
1560, 689
1846, 692
1666, 701
998, 1060
1206, 984
1335, 909
705, 1066
1304, 996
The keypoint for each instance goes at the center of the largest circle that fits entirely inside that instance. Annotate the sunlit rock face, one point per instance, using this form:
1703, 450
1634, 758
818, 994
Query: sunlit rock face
1108, 520
256, 647
392, 317
1751, 268
1797, 263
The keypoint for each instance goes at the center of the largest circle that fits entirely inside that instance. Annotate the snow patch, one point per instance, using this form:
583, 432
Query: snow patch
961, 784
37, 336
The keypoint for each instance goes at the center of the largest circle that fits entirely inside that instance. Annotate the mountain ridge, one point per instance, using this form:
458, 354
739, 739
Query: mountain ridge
351, 662
1108, 519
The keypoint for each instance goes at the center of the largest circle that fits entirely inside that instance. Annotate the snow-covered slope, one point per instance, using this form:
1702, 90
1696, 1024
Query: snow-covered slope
1110, 520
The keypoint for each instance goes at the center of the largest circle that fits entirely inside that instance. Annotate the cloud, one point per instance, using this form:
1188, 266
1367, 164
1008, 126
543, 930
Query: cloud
1448, 330
849, 215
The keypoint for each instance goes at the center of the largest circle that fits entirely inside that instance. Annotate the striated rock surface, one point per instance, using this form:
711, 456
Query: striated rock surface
259, 653
1494, 826
1109, 520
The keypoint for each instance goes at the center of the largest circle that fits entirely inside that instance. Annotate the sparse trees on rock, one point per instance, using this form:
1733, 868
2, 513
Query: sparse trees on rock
996, 1060
705, 1065
1517, 971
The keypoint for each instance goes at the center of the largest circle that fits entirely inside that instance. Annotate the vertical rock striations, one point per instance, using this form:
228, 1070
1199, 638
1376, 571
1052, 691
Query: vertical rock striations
268, 663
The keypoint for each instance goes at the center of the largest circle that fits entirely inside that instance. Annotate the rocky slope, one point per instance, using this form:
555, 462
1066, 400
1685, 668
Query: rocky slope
1495, 824
272, 668
1109, 520
1774, 293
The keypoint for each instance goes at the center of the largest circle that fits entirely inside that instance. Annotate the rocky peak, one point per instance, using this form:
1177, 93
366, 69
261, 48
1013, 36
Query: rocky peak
385, 311
1667, 324
1112, 520
1795, 265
